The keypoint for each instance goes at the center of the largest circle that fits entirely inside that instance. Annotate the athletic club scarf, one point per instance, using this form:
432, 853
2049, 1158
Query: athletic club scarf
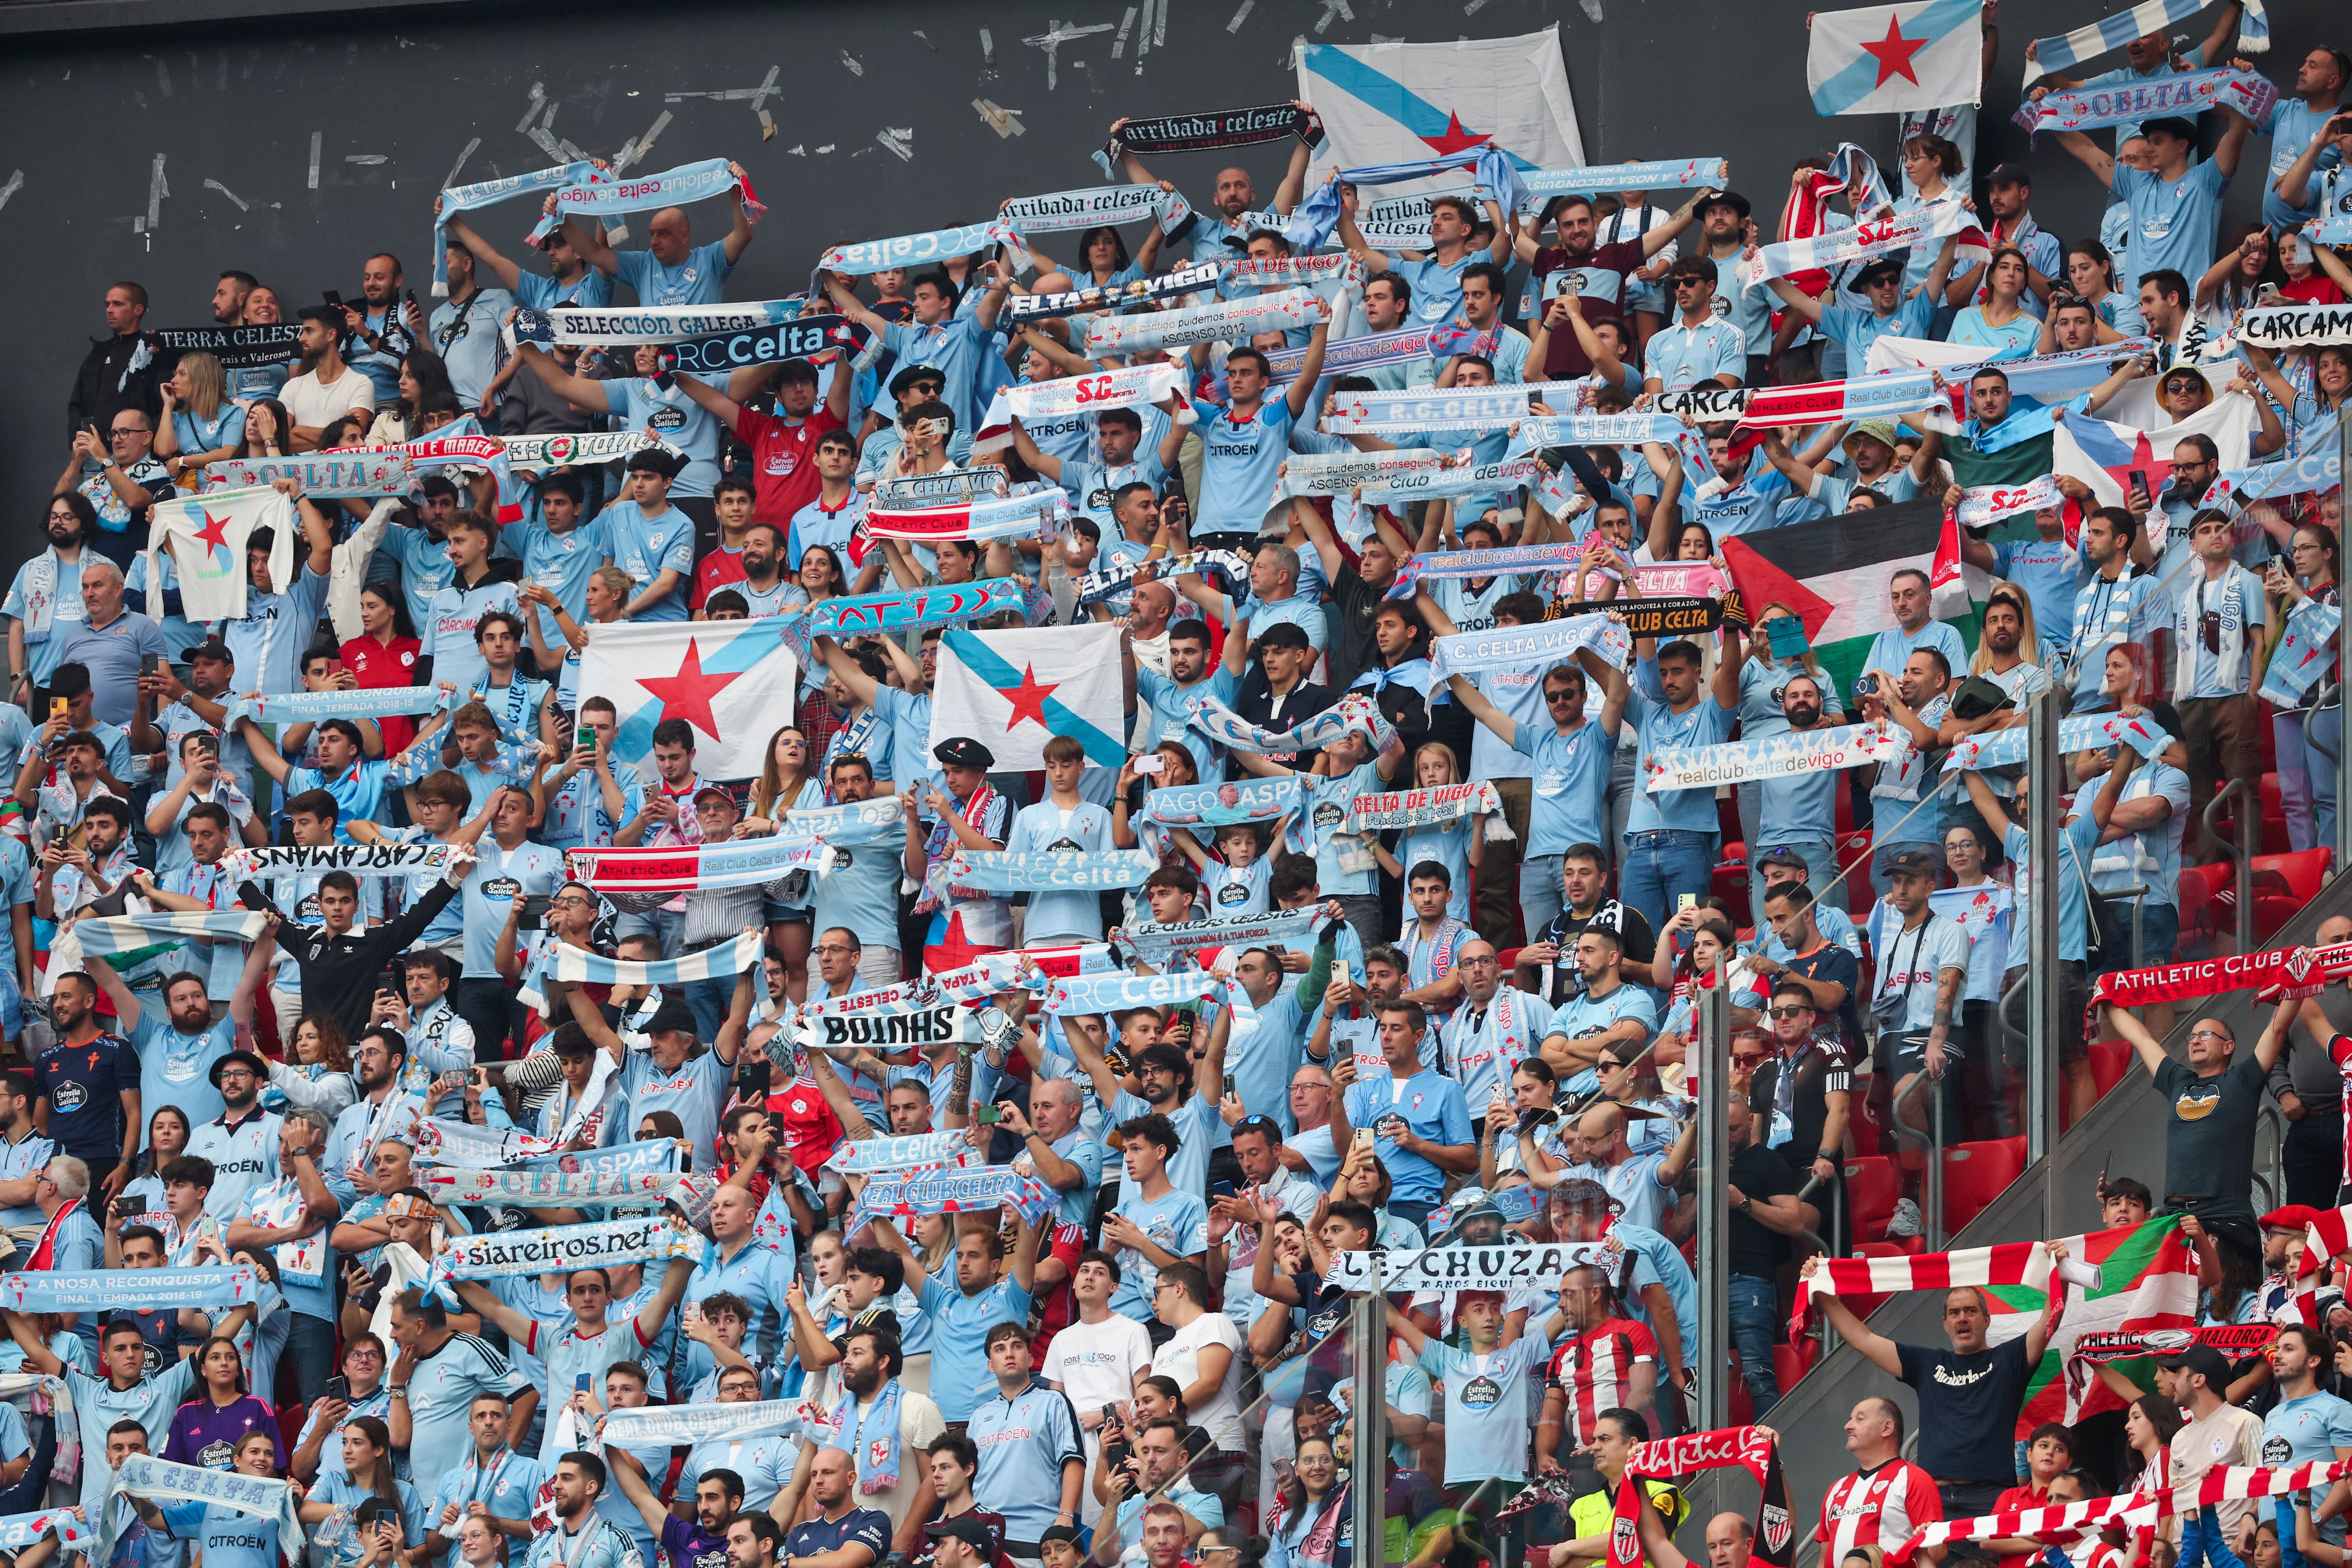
1155, 943
1208, 132
1426, 408
616, 197
1751, 1448
1045, 870
2006, 748
1539, 646
1134, 386
102, 1290
537, 452
667, 1426
108, 935
1981, 506
1095, 206
980, 1190
916, 250
1402, 346
323, 476
2234, 1340
2295, 326
383, 858
2292, 971
2060, 1521
1220, 805
1225, 320
1282, 271
1514, 1266
1338, 473
2135, 1509
577, 964
610, 326
1499, 180
1114, 993
1352, 714
2306, 652
510, 1189
1473, 480
1030, 516
1188, 280
237, 348
2185, 94
2061, 50
1422, 807
1785, 755
913, 1152
2023, 1263
455, 199
310, 707
562, 1248
160, 1481
1872, 238
1114, 580
18, 1530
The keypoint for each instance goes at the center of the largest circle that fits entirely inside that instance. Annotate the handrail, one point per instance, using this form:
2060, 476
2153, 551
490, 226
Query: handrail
1932, 1189
1803, 1193
2240, 853
2274, 1184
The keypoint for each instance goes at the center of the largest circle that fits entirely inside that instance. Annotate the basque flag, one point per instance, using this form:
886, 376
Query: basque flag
1891, 60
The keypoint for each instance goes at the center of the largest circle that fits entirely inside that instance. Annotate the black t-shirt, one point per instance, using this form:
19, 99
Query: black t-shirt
1760, 1175
1562, 983
1256, 702
2208, 1150
1808, 1110
1968, 1409
1833, 963
1352, 650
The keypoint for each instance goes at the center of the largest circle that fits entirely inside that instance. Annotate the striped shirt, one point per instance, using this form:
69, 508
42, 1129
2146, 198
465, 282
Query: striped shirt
1595, 1370
1882, 1508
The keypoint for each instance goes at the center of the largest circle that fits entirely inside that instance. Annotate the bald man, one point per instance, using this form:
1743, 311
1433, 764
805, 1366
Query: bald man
672, 269
1730, 1540
1641, 1184
838, 1532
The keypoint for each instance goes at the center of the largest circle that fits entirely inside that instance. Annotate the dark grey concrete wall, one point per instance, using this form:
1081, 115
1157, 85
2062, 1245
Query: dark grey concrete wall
230, 93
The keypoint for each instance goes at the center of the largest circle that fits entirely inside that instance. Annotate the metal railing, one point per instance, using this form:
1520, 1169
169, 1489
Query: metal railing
2241, 850
1931, 1188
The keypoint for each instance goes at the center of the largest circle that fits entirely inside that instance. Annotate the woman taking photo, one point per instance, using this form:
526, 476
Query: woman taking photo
366, 1475
1133, 786
2306, 733
200, 425
383, 656
2092, 272
1311, 1508
207, 1431
167, 1139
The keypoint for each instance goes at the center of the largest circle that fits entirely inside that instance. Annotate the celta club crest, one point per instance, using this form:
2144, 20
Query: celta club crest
1775, 1520
877, 1452
926, 991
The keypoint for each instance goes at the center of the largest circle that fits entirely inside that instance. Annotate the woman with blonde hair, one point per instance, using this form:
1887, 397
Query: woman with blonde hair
787, 782
1455, 844
200, 425
606, 600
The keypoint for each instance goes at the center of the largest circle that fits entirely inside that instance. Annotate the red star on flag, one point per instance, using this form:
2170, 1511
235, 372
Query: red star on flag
1454, 139
1028, 699
2143, 463
1893, 54
687, 695
214, 534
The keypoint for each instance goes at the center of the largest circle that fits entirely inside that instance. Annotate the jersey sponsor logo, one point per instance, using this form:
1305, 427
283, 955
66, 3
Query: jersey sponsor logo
501, 888
667, 419
68, 1096
216, 1455
2277, 1450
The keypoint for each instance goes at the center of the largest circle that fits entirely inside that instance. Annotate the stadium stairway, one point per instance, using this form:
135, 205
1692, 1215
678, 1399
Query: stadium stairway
2060, 1200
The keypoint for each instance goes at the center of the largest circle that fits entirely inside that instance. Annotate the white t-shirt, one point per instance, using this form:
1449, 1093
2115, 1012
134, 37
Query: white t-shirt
1098, 1363
312, 403
1179, 1359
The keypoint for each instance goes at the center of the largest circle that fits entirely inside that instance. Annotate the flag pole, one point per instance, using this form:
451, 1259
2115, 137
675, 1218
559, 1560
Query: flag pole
2043, 998
1712, 1363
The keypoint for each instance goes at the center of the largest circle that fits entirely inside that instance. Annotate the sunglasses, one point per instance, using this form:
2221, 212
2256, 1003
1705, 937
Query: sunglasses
1791, 1012
1691, 283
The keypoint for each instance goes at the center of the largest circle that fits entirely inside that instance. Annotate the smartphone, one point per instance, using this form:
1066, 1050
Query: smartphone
335, 300
752, 1079
395, 980
1151, 763
339, 1388
1221, 1189
57, 706
2139, 497
1363, 1137
127, 1208
988, 1115
149, 663
410, 295
534, 912
584, 736
1229, 1083
776, 1125
580, 1384
1687, 901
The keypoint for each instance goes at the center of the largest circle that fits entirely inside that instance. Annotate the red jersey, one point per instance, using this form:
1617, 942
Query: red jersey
783, 461
719, 568
810, 1122
1882, 1508
1594, 1371
1058, 1305
2016, 1500
374, 665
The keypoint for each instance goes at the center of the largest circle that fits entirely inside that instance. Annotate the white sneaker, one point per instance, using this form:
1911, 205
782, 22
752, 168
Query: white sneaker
1906, 1220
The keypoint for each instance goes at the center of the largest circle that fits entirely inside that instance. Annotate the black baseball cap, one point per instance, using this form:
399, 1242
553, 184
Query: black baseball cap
673, 1018
964, 1528
2010, 174
900, 383
211, 647
2200, 1358
1732, 199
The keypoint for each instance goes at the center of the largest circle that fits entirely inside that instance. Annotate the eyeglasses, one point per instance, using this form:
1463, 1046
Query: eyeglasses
833, 947
2209, 1035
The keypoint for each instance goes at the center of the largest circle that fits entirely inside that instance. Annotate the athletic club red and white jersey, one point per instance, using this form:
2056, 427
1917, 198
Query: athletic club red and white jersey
1882, 1508
1595, 1370
2339, 1051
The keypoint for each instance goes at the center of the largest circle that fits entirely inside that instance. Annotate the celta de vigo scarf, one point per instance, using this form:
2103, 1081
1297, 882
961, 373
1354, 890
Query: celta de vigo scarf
901, 492
160, 1481
1218, 805
504, 1254
510, 1187
616, 197
323, 476
1283, 271
1419, 408
778, 321
1310, 227
18, 1530
911, 1152
1132, 386
1109, 582
578, 965
981, 1190
1028, 516
1539, 646
536, 452
310, 707
1422, 807
2296, 326
1208, 132
652, 1426
1470, 479
1785, 755
1047, 870
2060, 51
1338, 473
1871, 237
1115, 993
455, 199
1189, 279
2305, 653
108, 935
97, 1291
1981, 506
1227, 321
1350, 714
916, 250
1434, 339
1541, 432
1095, 206
237, 348
1155, 942
381, 858
2185, 95
2078, 732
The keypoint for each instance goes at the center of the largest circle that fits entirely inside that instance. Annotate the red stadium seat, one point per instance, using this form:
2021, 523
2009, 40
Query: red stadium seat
1870, 1188
1853, 859
2302, 870
1730, 885
1789, 1364
2111, 1062
1974, 1175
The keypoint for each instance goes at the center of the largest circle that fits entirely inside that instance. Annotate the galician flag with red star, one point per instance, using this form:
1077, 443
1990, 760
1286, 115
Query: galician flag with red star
1891, 60
1397, 103
734, 682
205, 536
1013, 691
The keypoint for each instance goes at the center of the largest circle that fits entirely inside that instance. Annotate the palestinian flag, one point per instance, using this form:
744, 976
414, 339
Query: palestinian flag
1833, 572
2148, 1280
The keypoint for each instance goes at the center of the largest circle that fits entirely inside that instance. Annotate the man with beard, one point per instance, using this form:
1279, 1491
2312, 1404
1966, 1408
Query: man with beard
2003, 659
179, 1045
574, 281
880, 1431
696, 1542
1094, 483
324, 389
43, 603
579, 1539
960, 1313
741, 1266
268, 645
25, 1151
839, 1535
88, 1083
1916, 703
72, 879
1594, 273
1798, 814
767, 579
379, 332
493, 1484
1221, 233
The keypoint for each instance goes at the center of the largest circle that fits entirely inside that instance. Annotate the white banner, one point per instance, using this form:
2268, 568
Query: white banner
1780, 756
1516, 1266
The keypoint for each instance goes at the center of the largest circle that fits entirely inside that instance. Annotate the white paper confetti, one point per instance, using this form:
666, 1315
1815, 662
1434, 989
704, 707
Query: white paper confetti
1005, 122
899, 140
1333, 8
316, 137
370, 159
156, 191
537, 97
1240, 17
1127, 26
461, 164
16, 183
242, 205
850, 60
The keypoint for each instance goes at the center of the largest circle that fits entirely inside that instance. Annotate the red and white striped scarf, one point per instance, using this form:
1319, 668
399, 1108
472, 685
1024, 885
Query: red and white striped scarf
2138, 1510
2010, 1263
2325, 1239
